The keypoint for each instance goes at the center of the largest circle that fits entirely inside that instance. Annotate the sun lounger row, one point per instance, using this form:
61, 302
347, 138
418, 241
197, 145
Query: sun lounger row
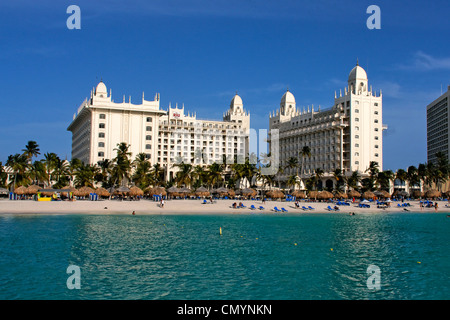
363, 205
333, 209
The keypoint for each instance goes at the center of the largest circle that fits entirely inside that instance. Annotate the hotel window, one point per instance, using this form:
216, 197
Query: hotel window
376, 112
147, 156
356, 154
376, 104
357, 128
376, 154
148, 146
376, 146
356, 162
376, 129
101, 154
102, 116
376, 121
101, 135
356, 137
357, 145
101, 126
356, 110
101, 144
149, 119
148, 128
357, 119
376, 137
148, 137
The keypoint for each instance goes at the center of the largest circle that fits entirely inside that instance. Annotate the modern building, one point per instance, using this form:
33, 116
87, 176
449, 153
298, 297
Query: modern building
438, 134
164, 136
347, 136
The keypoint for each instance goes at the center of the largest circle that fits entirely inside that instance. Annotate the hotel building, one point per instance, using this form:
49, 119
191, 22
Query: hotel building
438, 134
347, 136
164, 136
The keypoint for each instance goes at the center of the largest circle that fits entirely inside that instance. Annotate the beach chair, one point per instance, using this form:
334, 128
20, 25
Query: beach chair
304, 208
261, 208
330, 209
284, 210
252, 207
204, 202
310, 208
276, 209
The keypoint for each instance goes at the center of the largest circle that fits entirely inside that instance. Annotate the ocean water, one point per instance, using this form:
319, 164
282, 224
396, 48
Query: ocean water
258, 256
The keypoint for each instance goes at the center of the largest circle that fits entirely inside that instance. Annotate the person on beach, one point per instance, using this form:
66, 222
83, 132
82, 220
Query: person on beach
436, 206
133, 213
162, 203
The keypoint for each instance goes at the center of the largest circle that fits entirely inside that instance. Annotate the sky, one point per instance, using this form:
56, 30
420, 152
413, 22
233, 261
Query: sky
201, 53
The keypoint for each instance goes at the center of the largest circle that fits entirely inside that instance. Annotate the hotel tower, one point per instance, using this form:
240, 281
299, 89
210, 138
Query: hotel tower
164, 136
347, 136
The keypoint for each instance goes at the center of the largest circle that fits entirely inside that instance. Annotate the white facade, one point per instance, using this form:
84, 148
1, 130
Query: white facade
347, 136
166, 137
438, 133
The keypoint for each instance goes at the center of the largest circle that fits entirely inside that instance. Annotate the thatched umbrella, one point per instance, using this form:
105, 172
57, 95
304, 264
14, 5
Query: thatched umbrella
102, 192
299, 194
135, 191
418, 194
173, 190
84, 191
354, 193
313, 194
276, 194
325, 195
20, 190
340, 195
185, 190
432, 194
368, 195
248, 192
156, 191
72, 189
33, 189
202, 192
382, 194
231, 193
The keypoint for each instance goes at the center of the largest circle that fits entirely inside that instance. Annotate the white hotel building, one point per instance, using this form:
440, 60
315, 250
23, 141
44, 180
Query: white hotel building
347, 136
165, 136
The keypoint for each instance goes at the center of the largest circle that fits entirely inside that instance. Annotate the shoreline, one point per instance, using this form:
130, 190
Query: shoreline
196, 207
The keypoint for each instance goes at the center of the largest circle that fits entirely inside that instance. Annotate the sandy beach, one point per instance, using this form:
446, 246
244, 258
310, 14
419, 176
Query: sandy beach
193, 207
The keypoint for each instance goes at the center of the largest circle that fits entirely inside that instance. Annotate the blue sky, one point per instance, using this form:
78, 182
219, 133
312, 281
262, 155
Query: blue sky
201, 52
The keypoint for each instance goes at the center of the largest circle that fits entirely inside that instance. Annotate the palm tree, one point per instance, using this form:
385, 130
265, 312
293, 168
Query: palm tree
85, 175
105, 167
3, 176
318, 174
199, 175
60, 172
183, 176
305, 152
292, 181
38, 172
157, 174
292, 163
141, 175
354, 180
31, 150
74, 164
19, 164
413, 177
384, 179
340, 179
401, 175
214, 174
49, 162
120, 172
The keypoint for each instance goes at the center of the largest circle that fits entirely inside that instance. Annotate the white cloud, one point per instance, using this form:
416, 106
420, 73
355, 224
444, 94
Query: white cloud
424, 62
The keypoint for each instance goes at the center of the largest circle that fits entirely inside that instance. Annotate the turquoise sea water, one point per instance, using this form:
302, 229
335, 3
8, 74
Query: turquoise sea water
307, 256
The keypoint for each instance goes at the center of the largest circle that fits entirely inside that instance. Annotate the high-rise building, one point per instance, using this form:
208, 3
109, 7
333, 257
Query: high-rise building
438, 134
347, 136
164, 136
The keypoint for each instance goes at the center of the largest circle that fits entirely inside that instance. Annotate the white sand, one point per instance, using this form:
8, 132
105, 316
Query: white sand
189, 207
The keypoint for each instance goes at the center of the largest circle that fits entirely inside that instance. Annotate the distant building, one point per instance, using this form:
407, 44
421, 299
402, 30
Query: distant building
438, 133
164, 136
347, 136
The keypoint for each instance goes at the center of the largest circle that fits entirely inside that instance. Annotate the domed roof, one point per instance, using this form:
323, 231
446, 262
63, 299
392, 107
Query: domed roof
357, 73
236, 101
288, 98
101, 88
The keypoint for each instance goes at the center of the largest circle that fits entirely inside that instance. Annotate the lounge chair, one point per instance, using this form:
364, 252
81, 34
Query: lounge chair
330, 209
305, 208
204, 202
276, 209
284, 210
261, 208
310, 208
252, 207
